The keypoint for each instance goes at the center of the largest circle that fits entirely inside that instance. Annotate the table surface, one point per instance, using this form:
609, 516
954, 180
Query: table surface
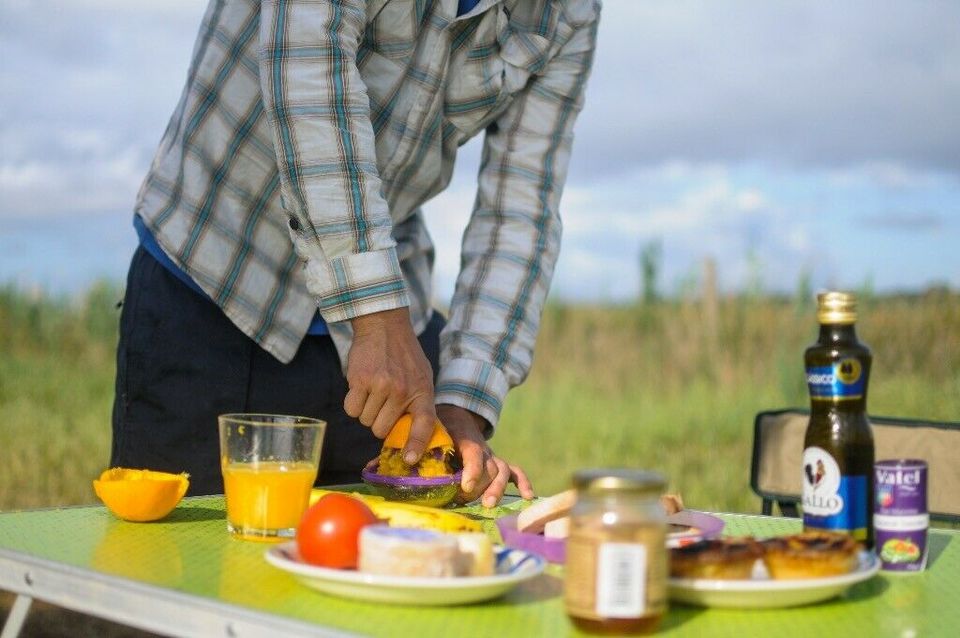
188, 561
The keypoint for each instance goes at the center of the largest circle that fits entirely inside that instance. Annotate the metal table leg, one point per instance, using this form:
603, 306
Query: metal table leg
18, 614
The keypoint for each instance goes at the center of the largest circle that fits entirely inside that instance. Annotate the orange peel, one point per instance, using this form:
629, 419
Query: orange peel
401, 432
140, 495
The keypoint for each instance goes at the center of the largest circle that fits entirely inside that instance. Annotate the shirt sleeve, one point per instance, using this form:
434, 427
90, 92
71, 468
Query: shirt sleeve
318, 111
511, 243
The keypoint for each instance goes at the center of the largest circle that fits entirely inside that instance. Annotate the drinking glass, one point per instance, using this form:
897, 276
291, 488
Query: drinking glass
269, 464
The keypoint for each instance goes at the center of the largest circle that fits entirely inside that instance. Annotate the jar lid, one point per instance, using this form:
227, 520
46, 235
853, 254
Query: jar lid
619, 480
836, 308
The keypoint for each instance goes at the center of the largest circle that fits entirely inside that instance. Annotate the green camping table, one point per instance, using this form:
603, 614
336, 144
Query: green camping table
186, 576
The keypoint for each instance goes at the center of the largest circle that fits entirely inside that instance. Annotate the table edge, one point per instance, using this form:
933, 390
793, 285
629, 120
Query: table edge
142, 605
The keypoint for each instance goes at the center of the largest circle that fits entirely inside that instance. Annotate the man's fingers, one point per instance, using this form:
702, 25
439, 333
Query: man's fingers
519, 478
473, 468
372, 407
391, 411
501, 476
424, 417
354, 401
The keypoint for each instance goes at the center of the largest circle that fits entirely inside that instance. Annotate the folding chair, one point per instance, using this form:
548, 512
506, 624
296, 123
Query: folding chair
775, 473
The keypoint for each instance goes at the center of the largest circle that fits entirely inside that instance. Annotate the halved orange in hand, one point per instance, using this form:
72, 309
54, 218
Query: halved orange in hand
140, 495
435, 462
397, 438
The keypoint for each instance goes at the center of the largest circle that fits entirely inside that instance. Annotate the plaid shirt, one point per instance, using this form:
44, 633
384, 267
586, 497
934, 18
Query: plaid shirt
309, 134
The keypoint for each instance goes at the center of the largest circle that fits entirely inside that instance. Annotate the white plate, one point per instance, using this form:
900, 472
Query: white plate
513, 566
761, 593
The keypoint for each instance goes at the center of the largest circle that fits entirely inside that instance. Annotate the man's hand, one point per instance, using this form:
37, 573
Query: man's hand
388, 375
484, 474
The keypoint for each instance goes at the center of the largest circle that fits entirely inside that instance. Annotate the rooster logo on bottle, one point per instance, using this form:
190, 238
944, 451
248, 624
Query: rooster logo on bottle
815, 478
821, 483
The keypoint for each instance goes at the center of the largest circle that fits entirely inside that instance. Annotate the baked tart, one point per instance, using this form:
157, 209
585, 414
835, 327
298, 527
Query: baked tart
815, 554
716, 559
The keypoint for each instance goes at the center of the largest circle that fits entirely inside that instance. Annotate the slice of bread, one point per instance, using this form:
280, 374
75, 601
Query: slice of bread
533, 519
672, 503
557, 528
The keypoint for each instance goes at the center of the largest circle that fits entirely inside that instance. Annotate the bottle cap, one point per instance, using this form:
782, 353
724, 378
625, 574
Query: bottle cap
836, 308
620, 480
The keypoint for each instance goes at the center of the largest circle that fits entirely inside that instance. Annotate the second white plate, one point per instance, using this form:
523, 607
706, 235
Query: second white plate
770, 593
513, 566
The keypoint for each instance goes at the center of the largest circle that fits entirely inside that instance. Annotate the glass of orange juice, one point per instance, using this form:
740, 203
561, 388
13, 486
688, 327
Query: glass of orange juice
269, 463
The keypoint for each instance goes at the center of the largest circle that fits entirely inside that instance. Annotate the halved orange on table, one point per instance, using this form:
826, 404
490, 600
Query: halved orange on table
140, 495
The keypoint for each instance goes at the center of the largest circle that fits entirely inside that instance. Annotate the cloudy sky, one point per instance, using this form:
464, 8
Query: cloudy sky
775, 138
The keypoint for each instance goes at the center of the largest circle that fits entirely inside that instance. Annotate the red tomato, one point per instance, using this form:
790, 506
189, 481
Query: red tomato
329, 531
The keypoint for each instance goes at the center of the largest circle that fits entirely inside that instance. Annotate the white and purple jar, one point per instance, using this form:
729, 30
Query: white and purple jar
900, 518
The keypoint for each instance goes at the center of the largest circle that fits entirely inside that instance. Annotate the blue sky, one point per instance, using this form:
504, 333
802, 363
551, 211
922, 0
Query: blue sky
772, 138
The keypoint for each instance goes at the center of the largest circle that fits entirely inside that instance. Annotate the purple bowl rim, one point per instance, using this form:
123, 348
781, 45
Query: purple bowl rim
370, 476
553, 550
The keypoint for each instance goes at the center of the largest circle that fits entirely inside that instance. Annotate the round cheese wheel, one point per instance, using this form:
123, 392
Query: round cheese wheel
402, 551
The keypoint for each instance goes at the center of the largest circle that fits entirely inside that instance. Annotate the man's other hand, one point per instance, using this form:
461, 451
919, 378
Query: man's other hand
485, 475
388, 374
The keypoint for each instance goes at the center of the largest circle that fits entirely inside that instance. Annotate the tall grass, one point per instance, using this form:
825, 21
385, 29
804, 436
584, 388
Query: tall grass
671, 386
56, 389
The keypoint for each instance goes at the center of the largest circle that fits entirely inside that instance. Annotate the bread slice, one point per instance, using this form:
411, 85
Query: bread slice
557, 528
671, 503
533, 519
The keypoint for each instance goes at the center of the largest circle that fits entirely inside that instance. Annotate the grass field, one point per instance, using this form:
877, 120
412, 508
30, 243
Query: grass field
671, 386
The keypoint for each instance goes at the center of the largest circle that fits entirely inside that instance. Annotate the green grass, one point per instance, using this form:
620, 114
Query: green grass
673, 386
56, 390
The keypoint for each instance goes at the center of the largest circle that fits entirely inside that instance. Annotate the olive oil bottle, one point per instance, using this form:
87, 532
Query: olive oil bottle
838, 450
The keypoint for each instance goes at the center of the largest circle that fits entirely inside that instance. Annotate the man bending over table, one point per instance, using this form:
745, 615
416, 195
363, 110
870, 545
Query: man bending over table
284, 263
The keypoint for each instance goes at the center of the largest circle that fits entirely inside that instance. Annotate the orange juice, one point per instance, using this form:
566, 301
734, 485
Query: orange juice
266, 500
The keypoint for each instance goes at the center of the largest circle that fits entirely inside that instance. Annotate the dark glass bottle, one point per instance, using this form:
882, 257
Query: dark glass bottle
838, 448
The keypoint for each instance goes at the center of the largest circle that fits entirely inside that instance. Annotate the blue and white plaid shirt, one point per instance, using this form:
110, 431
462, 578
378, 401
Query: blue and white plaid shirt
309, 134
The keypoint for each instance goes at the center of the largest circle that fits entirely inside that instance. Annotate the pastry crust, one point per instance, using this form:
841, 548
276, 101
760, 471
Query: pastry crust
720, 559
814, 554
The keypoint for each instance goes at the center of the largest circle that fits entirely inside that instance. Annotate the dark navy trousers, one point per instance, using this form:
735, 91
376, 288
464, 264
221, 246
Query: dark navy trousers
181, 362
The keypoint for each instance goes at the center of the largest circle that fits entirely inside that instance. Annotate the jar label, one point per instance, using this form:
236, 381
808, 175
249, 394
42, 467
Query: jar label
832, 500
608, 578
843, 380
621, 580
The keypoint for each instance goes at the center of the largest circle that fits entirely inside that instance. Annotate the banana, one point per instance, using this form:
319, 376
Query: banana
317, 492
406, 515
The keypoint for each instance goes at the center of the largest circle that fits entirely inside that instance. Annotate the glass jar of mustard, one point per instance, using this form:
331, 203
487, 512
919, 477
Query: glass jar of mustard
616, 567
